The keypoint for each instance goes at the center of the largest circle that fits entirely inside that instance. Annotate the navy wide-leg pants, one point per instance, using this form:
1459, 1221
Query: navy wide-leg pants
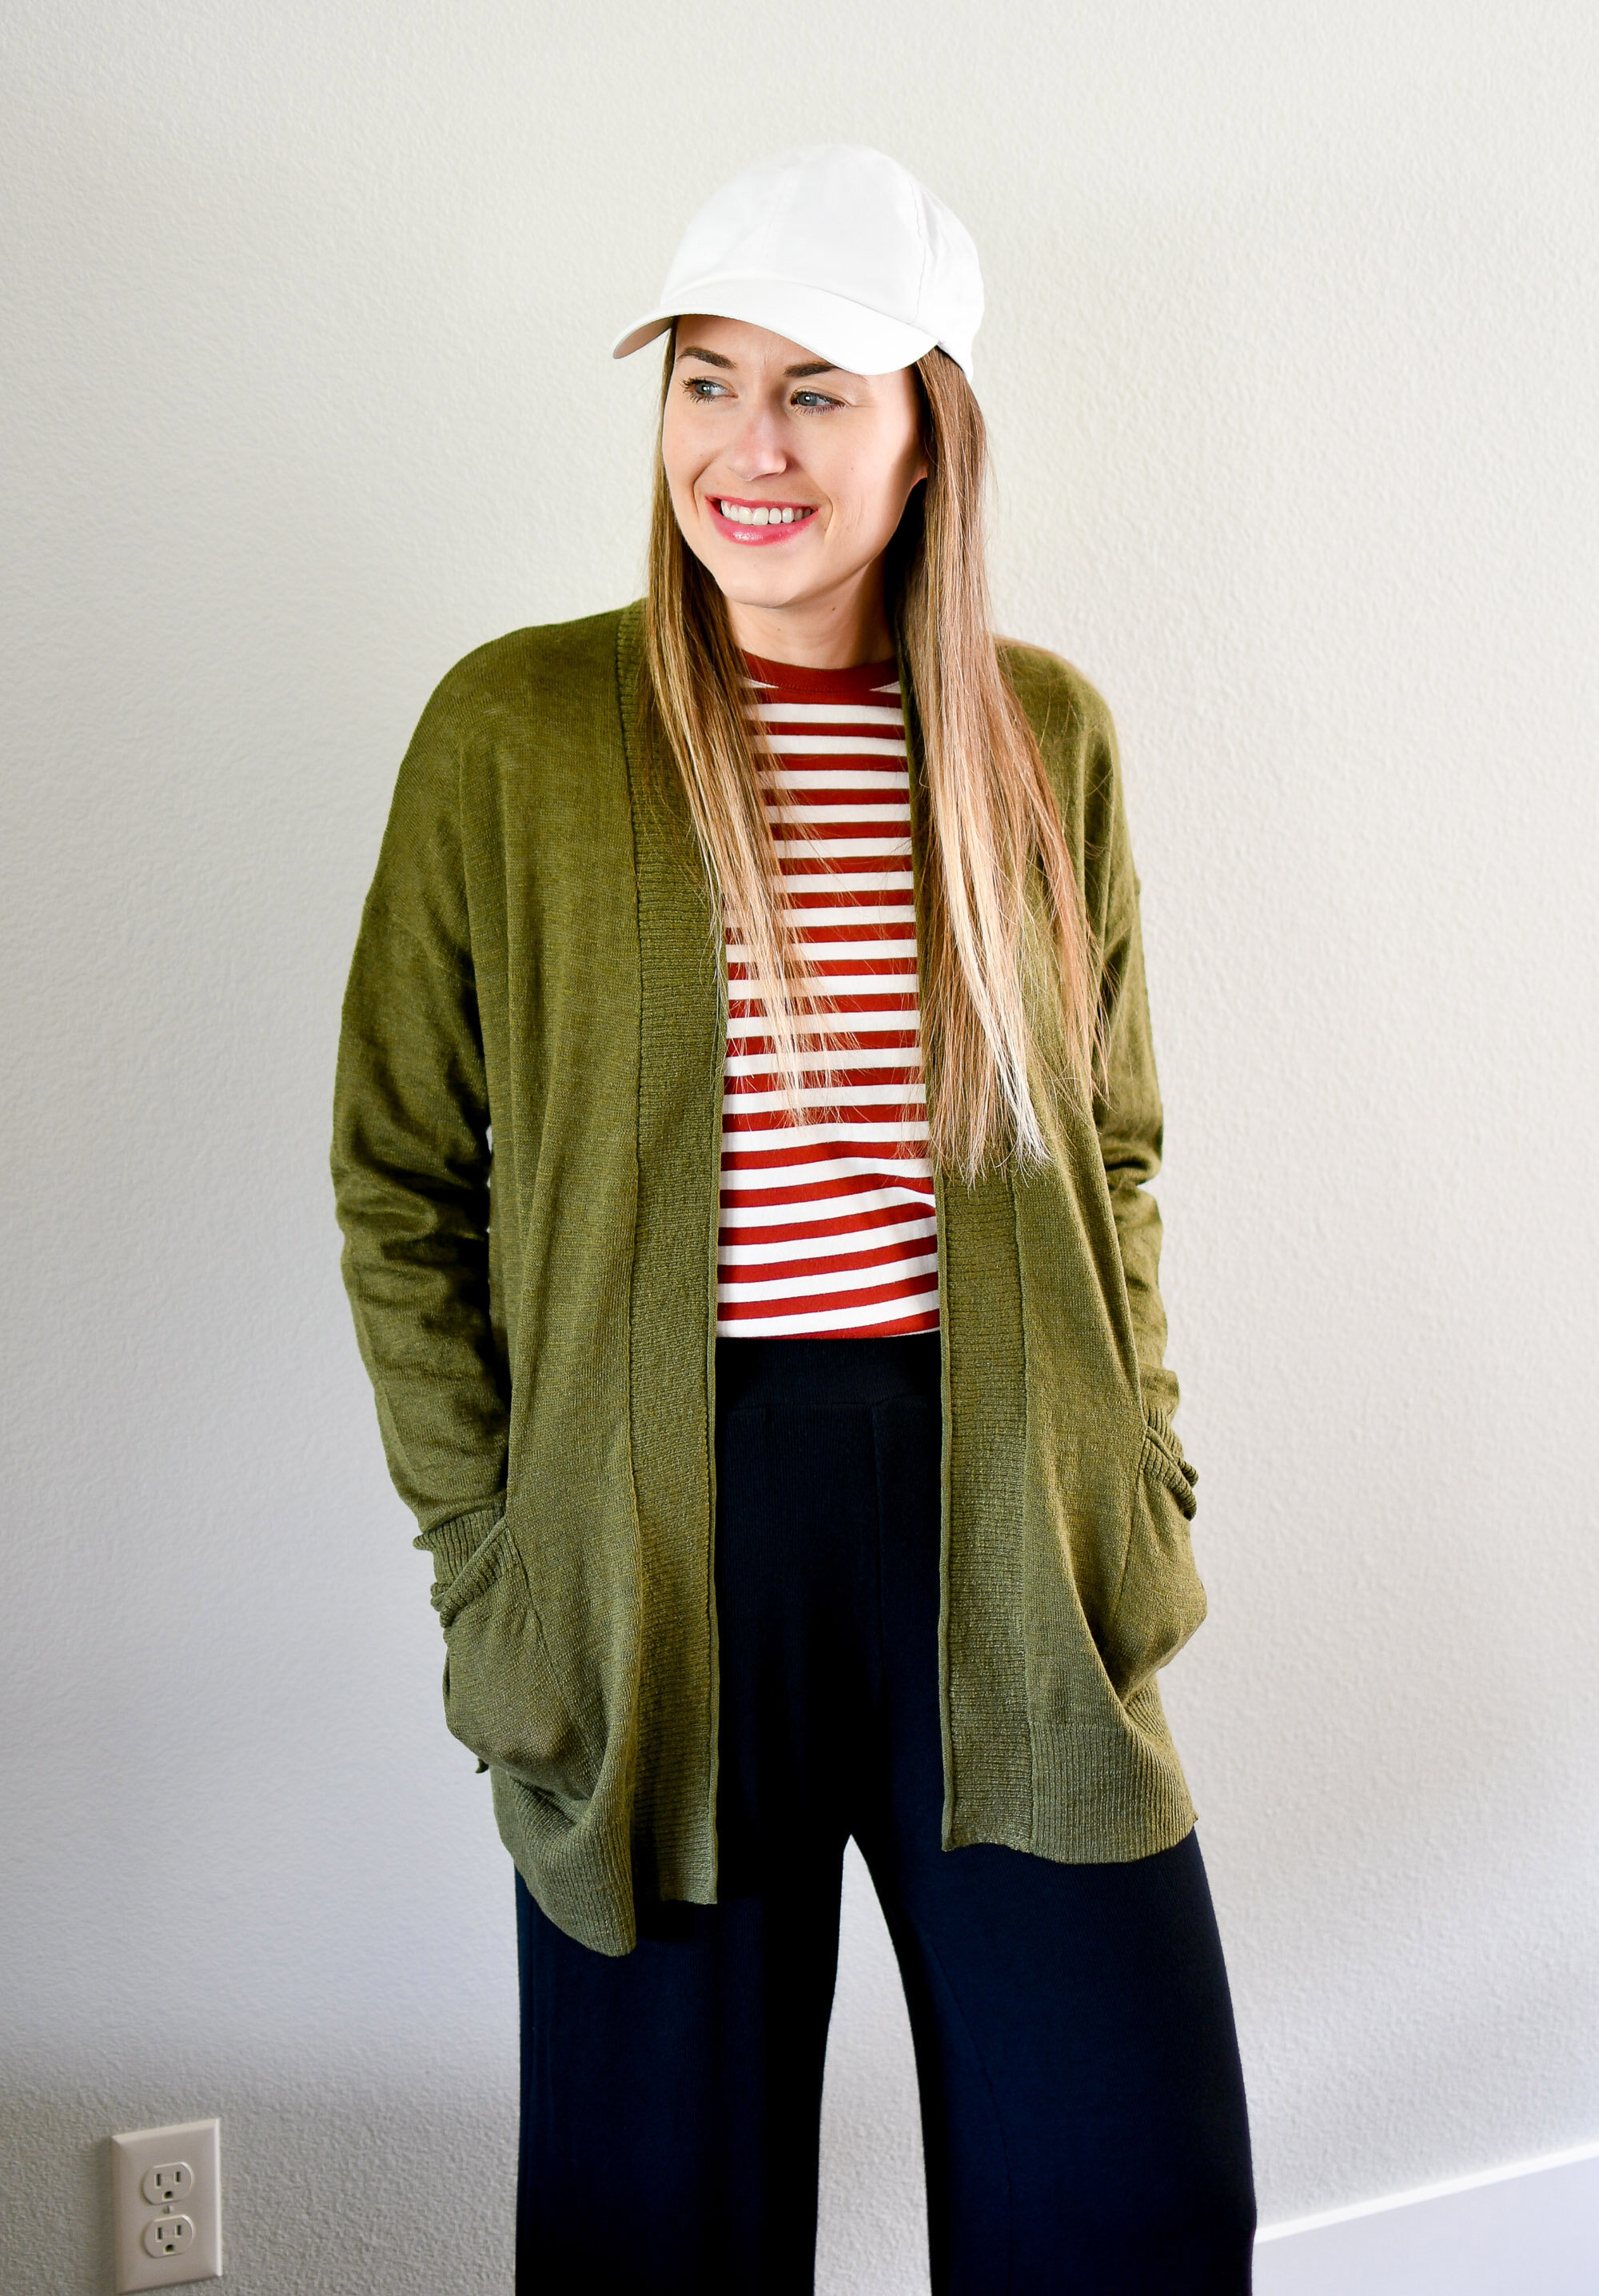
1082, 2104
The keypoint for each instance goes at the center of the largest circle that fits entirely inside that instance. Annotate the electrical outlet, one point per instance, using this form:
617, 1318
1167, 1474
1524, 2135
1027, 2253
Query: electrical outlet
167, 2205
168, 2235
173, 2180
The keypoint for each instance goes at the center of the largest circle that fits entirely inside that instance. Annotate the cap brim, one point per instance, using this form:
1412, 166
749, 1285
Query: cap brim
830, 326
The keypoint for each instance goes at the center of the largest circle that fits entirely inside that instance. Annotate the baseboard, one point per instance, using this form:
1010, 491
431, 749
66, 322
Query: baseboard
1531, 2229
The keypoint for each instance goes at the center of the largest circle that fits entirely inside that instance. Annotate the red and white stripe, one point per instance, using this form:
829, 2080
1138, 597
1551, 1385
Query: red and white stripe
827, 1227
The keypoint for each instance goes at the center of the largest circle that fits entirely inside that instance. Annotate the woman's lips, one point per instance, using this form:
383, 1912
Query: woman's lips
752, 536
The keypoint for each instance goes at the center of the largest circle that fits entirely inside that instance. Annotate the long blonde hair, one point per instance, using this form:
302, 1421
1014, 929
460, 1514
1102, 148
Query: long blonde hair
995, 1057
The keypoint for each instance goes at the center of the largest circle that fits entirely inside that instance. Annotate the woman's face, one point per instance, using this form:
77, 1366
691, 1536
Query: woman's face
787, 476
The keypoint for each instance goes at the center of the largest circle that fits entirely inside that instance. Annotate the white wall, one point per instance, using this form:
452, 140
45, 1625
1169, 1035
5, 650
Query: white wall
1290, 369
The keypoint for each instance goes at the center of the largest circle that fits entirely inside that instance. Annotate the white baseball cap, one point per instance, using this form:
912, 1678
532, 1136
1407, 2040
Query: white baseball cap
837, 247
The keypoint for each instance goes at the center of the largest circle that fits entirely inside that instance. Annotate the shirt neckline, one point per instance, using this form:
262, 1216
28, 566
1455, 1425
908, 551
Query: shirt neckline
790, 677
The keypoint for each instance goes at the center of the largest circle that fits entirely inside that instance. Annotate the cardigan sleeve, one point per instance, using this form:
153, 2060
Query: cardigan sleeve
1127, 1108
411, 1160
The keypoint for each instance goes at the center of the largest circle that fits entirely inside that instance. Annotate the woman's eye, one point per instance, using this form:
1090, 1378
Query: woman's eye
814, 398
700, 386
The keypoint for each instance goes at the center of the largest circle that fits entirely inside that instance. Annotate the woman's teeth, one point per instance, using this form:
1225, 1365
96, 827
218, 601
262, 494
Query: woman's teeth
770, 514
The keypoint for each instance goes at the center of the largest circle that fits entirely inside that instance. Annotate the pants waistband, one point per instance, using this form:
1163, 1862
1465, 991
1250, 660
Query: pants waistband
871, 1369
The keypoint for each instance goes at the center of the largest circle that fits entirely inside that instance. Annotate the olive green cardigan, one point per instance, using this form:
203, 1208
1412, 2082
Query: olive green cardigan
538, 997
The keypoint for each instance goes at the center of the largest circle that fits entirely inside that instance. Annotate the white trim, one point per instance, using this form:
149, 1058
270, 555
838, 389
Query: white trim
1441, 2192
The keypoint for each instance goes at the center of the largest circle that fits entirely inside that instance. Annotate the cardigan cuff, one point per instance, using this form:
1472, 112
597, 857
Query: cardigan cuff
453, 1543
1163, 1453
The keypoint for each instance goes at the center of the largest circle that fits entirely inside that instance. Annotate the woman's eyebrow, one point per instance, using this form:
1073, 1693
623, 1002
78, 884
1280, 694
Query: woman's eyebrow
791, 374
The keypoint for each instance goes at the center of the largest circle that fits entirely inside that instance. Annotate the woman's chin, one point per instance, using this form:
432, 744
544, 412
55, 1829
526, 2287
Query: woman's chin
761, 586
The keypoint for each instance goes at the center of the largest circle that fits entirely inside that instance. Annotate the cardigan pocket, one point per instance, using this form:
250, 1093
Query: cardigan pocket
1161, 1601
501, 1695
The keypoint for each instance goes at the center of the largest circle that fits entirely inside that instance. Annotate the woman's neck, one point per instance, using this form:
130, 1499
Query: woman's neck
832, 633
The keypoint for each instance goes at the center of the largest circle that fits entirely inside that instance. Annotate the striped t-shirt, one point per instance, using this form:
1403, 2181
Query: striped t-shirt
827, 1227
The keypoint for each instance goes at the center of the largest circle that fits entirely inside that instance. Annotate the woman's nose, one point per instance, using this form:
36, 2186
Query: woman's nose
760, 450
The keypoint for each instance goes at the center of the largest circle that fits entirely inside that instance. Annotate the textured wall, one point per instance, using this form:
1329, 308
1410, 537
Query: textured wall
1291, 367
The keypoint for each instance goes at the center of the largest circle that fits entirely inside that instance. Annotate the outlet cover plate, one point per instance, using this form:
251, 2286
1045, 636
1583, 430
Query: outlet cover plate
133, 2156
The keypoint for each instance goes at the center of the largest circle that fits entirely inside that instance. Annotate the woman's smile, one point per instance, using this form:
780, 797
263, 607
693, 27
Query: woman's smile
743, 520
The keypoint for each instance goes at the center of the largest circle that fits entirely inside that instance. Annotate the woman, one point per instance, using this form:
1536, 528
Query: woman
794, 1442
